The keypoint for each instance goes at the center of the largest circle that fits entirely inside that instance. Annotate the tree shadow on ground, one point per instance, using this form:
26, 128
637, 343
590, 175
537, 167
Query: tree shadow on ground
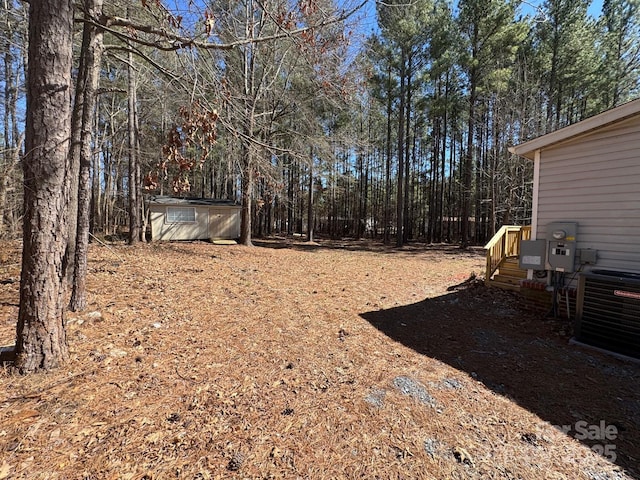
526, 358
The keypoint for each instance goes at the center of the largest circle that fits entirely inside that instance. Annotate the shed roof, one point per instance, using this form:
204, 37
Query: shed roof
166, 200
617, 114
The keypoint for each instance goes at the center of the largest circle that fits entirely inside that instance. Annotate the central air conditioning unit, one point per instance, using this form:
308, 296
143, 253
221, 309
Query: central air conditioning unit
608, 311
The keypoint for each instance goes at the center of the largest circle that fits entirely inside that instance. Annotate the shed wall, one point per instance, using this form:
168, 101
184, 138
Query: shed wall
162, 230
595, 181
224, 223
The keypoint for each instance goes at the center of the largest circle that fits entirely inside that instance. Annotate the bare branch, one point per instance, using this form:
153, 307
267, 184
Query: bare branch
177, 42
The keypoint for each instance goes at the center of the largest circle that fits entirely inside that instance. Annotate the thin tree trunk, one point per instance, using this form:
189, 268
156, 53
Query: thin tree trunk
247, 187
387, 178
249, 112
91, 59
97, 217
401, 173
134, 201
13, 154
310, 206
290, 198
467, 169
108, 189
408, 151
443, 154
12, 140
74, 161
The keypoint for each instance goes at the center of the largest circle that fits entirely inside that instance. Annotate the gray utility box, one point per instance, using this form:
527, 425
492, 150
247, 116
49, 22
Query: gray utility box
588, 256
561, 250
533, 254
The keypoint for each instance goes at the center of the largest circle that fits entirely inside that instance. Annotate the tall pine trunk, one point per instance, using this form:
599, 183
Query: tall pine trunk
407, 216
401, 172
41, 341
387, 174
467, 162
248, 148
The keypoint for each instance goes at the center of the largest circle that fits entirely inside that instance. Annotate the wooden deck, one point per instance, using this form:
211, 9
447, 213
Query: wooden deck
508, 275
503, 251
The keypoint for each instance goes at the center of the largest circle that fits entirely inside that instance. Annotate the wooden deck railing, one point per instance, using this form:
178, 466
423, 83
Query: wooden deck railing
505, 243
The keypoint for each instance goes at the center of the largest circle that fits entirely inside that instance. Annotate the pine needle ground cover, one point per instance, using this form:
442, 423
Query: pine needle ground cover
332, 360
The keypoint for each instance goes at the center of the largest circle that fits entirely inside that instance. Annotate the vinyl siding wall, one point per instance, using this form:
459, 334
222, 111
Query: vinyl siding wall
595, 181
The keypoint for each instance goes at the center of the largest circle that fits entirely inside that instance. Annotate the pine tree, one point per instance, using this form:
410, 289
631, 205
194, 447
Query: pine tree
565, 42
491, 38
405, 26
620, 47
40, 335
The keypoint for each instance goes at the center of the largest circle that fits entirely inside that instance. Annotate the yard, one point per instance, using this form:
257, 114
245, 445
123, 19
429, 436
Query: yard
332, 360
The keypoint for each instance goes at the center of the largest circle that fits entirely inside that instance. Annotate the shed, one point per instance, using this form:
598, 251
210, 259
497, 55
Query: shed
586, 222
193, 219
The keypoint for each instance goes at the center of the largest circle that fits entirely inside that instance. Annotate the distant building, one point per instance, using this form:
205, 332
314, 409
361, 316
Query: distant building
194, 219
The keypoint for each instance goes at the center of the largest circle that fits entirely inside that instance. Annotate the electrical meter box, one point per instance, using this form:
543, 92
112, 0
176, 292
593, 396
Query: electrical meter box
561, 246
533, 254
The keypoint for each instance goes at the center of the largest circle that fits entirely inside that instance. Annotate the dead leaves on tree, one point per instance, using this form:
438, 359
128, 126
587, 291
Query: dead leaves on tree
188, 146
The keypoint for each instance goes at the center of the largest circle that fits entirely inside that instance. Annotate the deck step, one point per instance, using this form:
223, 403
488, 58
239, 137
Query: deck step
511, 272
500, 278
503, 286
508, 275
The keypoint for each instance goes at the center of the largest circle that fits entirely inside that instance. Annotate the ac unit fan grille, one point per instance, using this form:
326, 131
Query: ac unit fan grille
609, 311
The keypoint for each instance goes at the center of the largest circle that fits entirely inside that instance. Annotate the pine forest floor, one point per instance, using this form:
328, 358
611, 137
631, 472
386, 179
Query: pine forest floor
334, 360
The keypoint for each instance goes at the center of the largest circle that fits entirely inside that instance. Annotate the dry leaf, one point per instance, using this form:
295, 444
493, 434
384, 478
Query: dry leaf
154, 437
24, 415
4, 470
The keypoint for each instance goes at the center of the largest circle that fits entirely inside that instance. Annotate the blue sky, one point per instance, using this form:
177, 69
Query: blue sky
527, 7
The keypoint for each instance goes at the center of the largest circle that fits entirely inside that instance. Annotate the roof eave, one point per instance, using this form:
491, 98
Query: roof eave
523, 152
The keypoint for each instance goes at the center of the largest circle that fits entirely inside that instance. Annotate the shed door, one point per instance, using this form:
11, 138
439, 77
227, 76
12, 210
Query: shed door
224, 224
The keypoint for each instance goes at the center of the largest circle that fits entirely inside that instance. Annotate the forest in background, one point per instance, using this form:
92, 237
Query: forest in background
287, 108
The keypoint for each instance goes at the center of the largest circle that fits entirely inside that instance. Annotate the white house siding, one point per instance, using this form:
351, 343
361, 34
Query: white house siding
161, 230
594, 180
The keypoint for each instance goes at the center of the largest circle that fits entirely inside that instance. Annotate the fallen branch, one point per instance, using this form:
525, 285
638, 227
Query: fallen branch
105, 245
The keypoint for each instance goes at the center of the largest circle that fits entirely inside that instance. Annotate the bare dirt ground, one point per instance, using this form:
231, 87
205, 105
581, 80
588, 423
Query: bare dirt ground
335, 360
